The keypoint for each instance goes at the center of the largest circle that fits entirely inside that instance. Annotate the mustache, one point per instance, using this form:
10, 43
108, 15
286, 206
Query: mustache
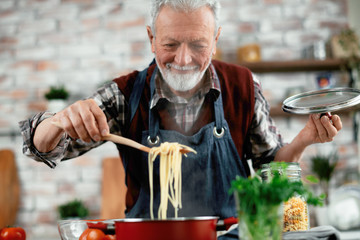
181, 68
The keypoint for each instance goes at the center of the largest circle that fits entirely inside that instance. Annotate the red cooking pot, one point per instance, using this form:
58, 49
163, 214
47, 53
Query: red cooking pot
194, 228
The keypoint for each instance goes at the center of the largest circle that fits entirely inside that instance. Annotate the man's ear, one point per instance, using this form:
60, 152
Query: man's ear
151, 38
216, 40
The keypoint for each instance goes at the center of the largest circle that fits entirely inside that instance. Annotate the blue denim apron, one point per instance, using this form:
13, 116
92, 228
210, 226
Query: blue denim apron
206, 176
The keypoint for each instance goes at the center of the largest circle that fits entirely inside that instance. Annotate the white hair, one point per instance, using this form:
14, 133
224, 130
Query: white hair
186, 6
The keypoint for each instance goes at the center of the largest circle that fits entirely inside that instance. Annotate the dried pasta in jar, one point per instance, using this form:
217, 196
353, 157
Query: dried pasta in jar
296, 212
296, 217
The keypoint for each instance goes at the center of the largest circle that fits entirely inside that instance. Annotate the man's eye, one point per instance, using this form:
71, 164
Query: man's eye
198, 46
170, 45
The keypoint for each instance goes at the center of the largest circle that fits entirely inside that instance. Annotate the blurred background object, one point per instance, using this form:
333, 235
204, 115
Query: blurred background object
345, 44
344, 208
324, 80
9, 188
74, 209
249, 53
319, 50
57, 97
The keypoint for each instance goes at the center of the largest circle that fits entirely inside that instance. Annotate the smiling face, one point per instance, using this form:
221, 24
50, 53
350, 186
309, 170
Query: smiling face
183, 45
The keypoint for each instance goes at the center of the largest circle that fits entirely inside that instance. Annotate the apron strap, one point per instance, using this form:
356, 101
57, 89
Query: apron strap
219, 115
138, 88
153, 116
136, 94
134, 101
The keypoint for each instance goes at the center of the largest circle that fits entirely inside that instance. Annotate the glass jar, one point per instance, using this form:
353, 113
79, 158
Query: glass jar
296, 212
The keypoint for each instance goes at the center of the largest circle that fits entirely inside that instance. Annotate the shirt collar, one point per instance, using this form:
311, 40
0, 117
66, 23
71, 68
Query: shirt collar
162, 91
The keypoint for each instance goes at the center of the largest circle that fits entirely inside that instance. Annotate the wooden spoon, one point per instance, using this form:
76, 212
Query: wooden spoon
125, 141
121, 140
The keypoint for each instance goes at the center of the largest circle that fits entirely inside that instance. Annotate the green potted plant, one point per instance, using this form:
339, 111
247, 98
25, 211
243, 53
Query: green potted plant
346, 46
323, 166
73, 209
71, 215
57, 97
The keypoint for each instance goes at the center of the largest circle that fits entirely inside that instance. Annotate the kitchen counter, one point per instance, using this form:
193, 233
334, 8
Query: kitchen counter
350, 235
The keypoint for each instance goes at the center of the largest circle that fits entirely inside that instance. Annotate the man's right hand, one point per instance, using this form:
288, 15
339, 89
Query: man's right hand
82, 120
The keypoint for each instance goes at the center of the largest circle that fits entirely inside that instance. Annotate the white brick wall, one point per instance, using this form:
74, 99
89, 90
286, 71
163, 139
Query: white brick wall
83, 43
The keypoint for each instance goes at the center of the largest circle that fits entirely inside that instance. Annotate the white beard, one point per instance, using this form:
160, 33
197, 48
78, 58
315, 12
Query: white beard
182, 82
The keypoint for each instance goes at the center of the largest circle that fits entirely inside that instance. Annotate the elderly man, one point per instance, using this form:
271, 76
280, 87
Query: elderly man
183, 96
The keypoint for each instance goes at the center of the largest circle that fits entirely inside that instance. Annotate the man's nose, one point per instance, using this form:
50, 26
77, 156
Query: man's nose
183, 55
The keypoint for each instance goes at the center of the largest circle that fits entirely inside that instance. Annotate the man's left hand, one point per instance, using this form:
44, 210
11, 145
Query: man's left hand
320, 128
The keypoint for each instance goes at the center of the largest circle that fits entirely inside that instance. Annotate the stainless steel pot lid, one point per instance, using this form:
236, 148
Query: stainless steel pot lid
321, 101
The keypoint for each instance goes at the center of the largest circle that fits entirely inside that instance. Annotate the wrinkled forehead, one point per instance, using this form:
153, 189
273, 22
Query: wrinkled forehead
186, 10
182, 19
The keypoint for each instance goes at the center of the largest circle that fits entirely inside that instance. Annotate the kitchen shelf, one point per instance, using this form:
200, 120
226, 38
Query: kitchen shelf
295, 65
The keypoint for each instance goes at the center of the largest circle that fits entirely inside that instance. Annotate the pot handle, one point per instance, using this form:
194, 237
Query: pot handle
225, 224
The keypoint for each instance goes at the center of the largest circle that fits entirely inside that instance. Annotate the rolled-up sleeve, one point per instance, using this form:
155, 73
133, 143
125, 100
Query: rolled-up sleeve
28, 128
265, 137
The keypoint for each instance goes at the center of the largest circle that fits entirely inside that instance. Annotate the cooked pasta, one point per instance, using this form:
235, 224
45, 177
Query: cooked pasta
170, 176
295, 215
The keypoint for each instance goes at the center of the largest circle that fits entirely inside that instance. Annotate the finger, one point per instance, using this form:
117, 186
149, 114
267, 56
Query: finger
100, 119
321, 131
337, 122
330, 129
80, 128
90, 124
68, 127
77, 121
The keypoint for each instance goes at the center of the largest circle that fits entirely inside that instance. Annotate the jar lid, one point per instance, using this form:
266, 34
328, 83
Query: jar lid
293, 166
292, 171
